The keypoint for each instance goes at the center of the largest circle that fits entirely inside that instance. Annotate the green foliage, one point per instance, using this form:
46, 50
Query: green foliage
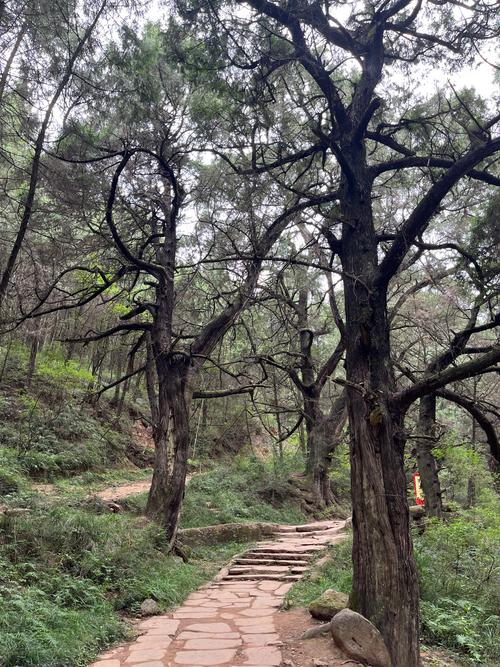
245, 491
10, 482
458, 564
36, 630
48, 430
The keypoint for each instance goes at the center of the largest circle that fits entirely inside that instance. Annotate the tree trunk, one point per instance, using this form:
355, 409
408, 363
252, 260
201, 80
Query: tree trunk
427, 465
385, 588
32, 360
179, 393
160, 417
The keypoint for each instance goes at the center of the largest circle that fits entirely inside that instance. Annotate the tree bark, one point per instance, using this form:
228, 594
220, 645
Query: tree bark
427, 465
160, 417
32, 360
385, 587
179, 393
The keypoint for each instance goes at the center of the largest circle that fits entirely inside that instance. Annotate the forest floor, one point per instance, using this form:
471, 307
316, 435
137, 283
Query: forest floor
235, 619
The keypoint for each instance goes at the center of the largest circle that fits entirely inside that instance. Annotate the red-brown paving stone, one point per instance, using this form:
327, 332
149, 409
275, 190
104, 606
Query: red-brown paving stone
204, 657
139, 655
269, 585
186, 634
251, 622
228, 623
209, 644
208, 627
257, 629
148, 641
257, 613
167, 625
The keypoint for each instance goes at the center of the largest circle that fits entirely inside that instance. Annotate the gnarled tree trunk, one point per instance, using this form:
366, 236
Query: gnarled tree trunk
385, 587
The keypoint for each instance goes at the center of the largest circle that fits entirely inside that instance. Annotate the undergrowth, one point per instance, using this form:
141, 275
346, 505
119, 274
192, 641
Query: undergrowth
67, 576
50, 429
247, 490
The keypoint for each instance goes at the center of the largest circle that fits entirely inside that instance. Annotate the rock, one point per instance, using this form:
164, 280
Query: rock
417, 511
318, 662
359, 639
316, 631
348, 523
149, 607
114, 507
328, 604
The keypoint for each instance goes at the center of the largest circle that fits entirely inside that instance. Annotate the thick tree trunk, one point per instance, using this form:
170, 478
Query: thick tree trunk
427, 465
385, 587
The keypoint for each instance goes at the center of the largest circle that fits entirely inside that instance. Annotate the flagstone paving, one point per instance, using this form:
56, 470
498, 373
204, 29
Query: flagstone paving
230, 621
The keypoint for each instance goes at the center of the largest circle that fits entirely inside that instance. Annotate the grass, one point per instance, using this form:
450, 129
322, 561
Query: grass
67, 577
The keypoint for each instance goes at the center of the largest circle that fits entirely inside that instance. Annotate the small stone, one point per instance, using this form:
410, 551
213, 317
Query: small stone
149, 607
359, 638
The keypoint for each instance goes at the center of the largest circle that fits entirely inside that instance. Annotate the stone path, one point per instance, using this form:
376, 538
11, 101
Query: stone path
230, 621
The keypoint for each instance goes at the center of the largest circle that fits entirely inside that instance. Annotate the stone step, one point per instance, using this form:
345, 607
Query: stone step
266, 569
245, 560
286, 529
282, 548
315, 527
262, 577
277, 555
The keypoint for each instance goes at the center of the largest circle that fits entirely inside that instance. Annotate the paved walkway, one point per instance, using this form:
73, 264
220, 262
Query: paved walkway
230, 621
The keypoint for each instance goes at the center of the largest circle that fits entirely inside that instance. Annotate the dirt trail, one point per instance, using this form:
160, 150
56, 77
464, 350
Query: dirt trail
235, 619
120, 491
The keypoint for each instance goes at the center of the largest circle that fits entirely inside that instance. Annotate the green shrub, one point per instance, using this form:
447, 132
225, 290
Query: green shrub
459, 569
10, 481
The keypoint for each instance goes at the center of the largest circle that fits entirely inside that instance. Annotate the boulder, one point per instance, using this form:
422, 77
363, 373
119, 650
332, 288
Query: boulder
328, 604
149, 607
359, 639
